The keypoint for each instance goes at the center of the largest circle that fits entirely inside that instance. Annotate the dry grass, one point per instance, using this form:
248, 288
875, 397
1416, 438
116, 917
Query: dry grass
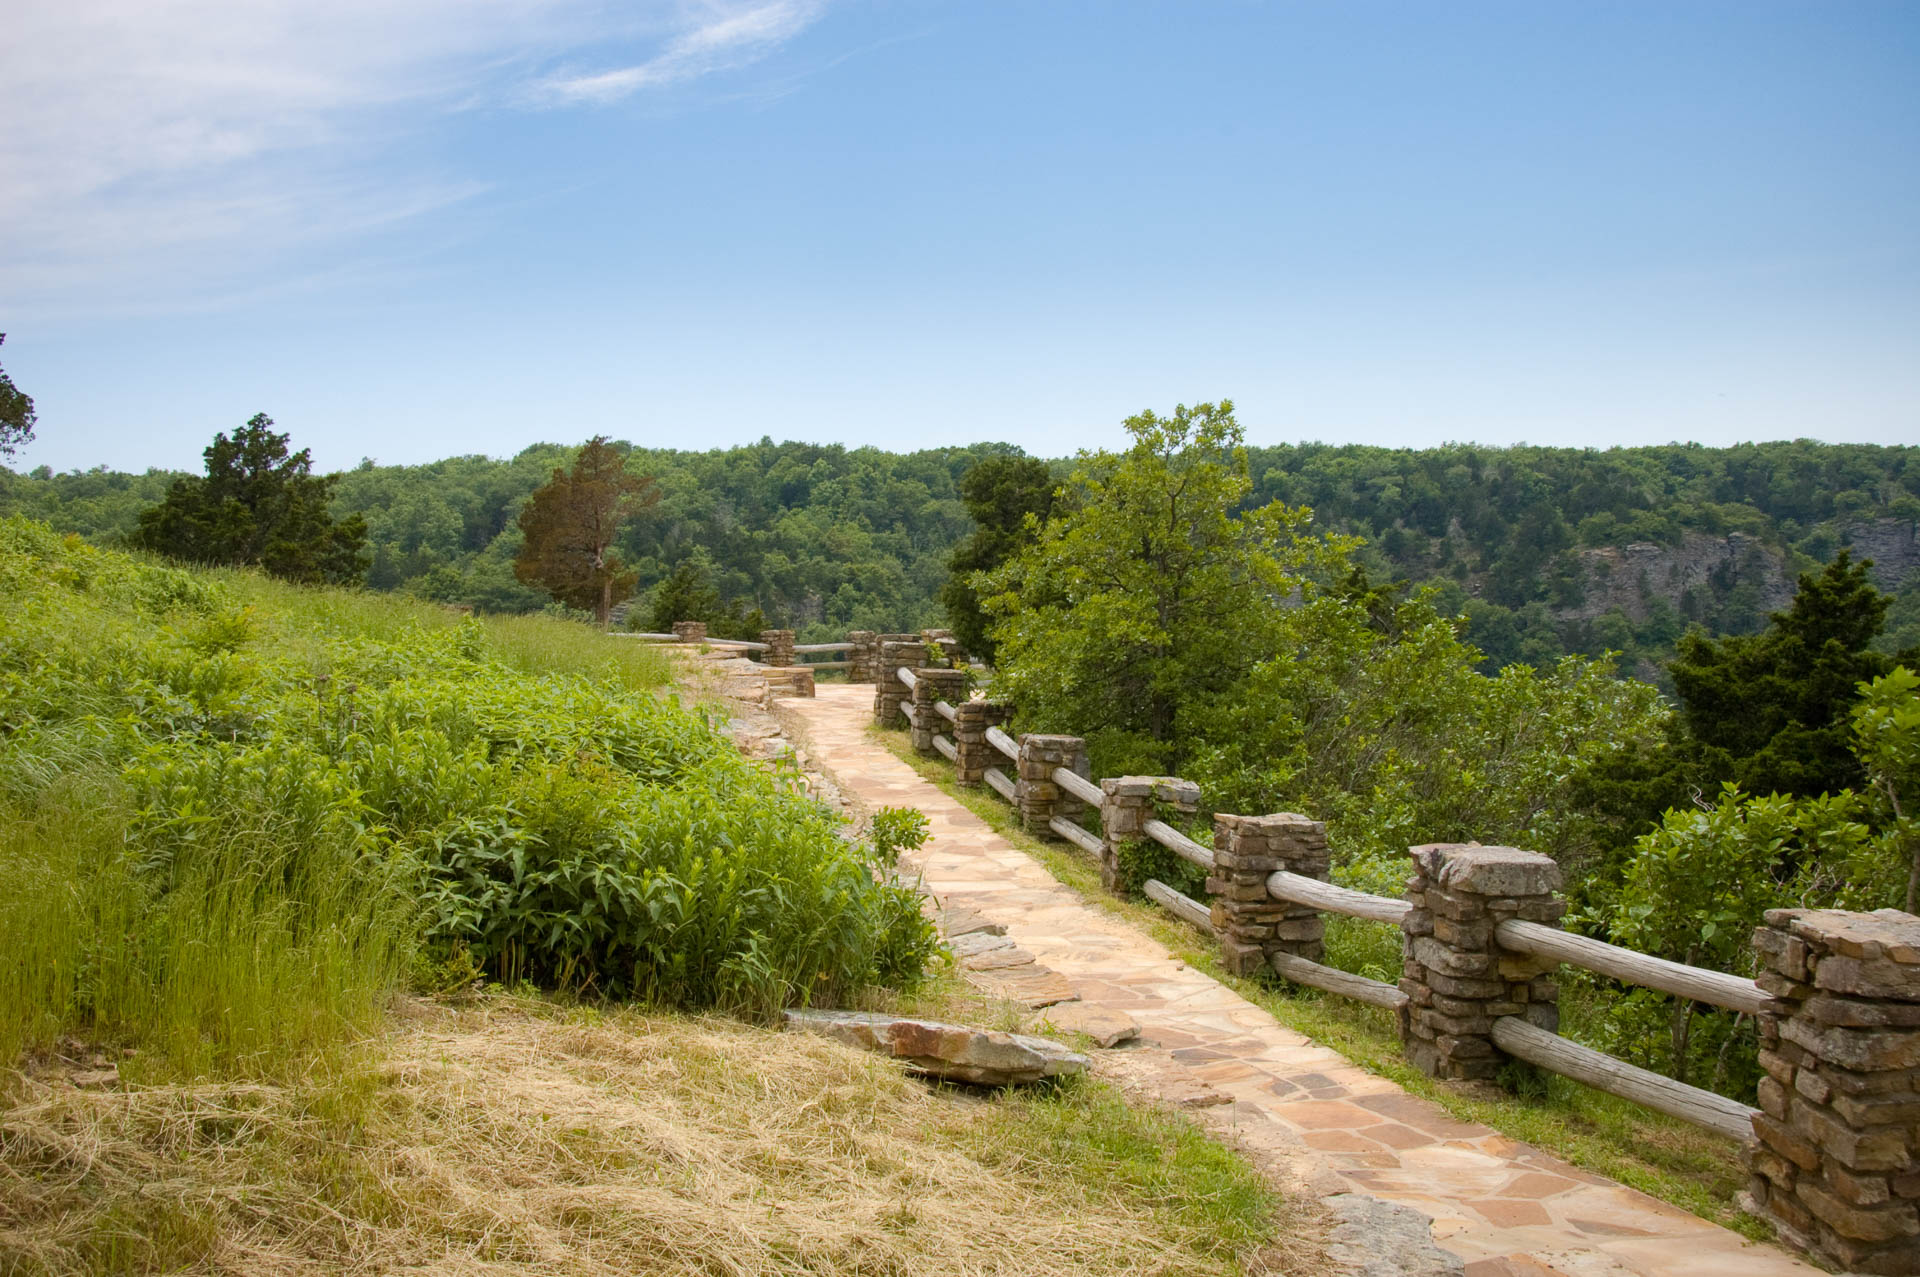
514, 1136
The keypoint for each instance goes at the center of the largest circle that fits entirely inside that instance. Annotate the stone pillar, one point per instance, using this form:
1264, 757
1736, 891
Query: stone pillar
1458, 979
889, 693
1126, 805
862, 656
1252, 924
971, 720
779, 650
1837, 1167
690, 631
934, 685
1039, 799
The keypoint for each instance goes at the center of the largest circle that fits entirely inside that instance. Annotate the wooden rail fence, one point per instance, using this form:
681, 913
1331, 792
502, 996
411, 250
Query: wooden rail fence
1832, 1149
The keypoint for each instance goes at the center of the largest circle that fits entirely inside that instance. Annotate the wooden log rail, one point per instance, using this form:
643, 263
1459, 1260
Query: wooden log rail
906, 676
1602, 1072
1185, 908
1089, 843
822, 647
1178, 843
1003, 742
1317, 975
1328, 898
946, 711
1077, 785
1714, 987
997, 781
947, 748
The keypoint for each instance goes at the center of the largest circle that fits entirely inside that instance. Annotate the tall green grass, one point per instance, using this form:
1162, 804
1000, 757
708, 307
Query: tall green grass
235, 813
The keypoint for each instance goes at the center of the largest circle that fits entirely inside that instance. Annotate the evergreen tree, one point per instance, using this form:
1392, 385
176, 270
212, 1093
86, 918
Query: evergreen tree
1000, 493
569, 525
257, 505
16, 413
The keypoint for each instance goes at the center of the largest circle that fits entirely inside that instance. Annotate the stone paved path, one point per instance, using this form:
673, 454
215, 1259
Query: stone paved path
1506, 1208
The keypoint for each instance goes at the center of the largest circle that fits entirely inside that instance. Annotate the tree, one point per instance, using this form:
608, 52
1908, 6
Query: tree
257, 505
569, 525
1886, 735
1149, 597
1778, 702
16, 413
1010, 498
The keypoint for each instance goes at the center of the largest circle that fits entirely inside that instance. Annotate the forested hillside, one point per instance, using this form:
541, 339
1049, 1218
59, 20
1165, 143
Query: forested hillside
1547, 550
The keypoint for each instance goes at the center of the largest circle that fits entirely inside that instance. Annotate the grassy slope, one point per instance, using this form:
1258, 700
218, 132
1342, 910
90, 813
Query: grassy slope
272, 1112
514, 1134
1660, 1156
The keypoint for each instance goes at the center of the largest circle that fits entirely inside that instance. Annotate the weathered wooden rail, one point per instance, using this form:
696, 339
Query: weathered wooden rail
1481, 946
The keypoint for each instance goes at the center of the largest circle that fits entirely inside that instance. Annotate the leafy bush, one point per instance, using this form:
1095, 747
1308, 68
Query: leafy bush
232, 812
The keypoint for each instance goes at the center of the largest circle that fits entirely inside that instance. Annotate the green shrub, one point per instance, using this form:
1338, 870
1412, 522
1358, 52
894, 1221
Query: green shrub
235, 814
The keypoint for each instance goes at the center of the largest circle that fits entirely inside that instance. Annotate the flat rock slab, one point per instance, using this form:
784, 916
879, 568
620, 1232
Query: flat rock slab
1031, 986
1106, 1027
951, 1051
997, 959
954, 923
979, 942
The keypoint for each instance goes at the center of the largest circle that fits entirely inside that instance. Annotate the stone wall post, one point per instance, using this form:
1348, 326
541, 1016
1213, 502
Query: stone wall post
1038, 798
934, 685
690, 631
1126, 805
1837, 1166
779, 649
862, 656
1458, 979
973, 755
889, 693
1252, 924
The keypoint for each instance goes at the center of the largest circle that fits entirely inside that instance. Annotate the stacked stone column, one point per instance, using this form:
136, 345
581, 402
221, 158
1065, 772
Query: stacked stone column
1036, 794
973, 755
863, 656
934, 685
690, 631
1252, 924
1127, 804
779, 649
1837, 1166
1457, 978
889, 693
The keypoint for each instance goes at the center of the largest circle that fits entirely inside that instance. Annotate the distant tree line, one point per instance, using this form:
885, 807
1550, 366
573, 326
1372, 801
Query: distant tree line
826, 538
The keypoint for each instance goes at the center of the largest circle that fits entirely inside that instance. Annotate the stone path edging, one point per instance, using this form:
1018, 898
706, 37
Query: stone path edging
1505, 1208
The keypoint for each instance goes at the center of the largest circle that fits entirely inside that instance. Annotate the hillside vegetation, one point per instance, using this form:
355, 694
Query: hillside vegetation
237, 813
1550, 551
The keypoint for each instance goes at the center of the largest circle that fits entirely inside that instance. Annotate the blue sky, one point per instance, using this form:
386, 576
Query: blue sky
408, 230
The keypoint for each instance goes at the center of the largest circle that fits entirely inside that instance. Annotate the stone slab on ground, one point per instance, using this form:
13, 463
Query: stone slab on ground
953, 1052
1031, 986
998, 959
954, 923
1503, 1207
1107, 1028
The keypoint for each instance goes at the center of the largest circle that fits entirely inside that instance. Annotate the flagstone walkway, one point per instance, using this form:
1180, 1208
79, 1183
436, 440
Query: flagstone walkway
1506, 1208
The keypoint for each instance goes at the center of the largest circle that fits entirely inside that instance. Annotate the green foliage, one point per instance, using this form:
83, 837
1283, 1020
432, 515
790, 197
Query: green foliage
569, 525
1380, 724
232, 812
1770, 712
898, 829
1009, 498
688, 594
16, 413
1145, 603
1886, 736
257, 505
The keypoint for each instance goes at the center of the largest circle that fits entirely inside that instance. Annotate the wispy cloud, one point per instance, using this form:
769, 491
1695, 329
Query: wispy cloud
725, 40
162, 139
